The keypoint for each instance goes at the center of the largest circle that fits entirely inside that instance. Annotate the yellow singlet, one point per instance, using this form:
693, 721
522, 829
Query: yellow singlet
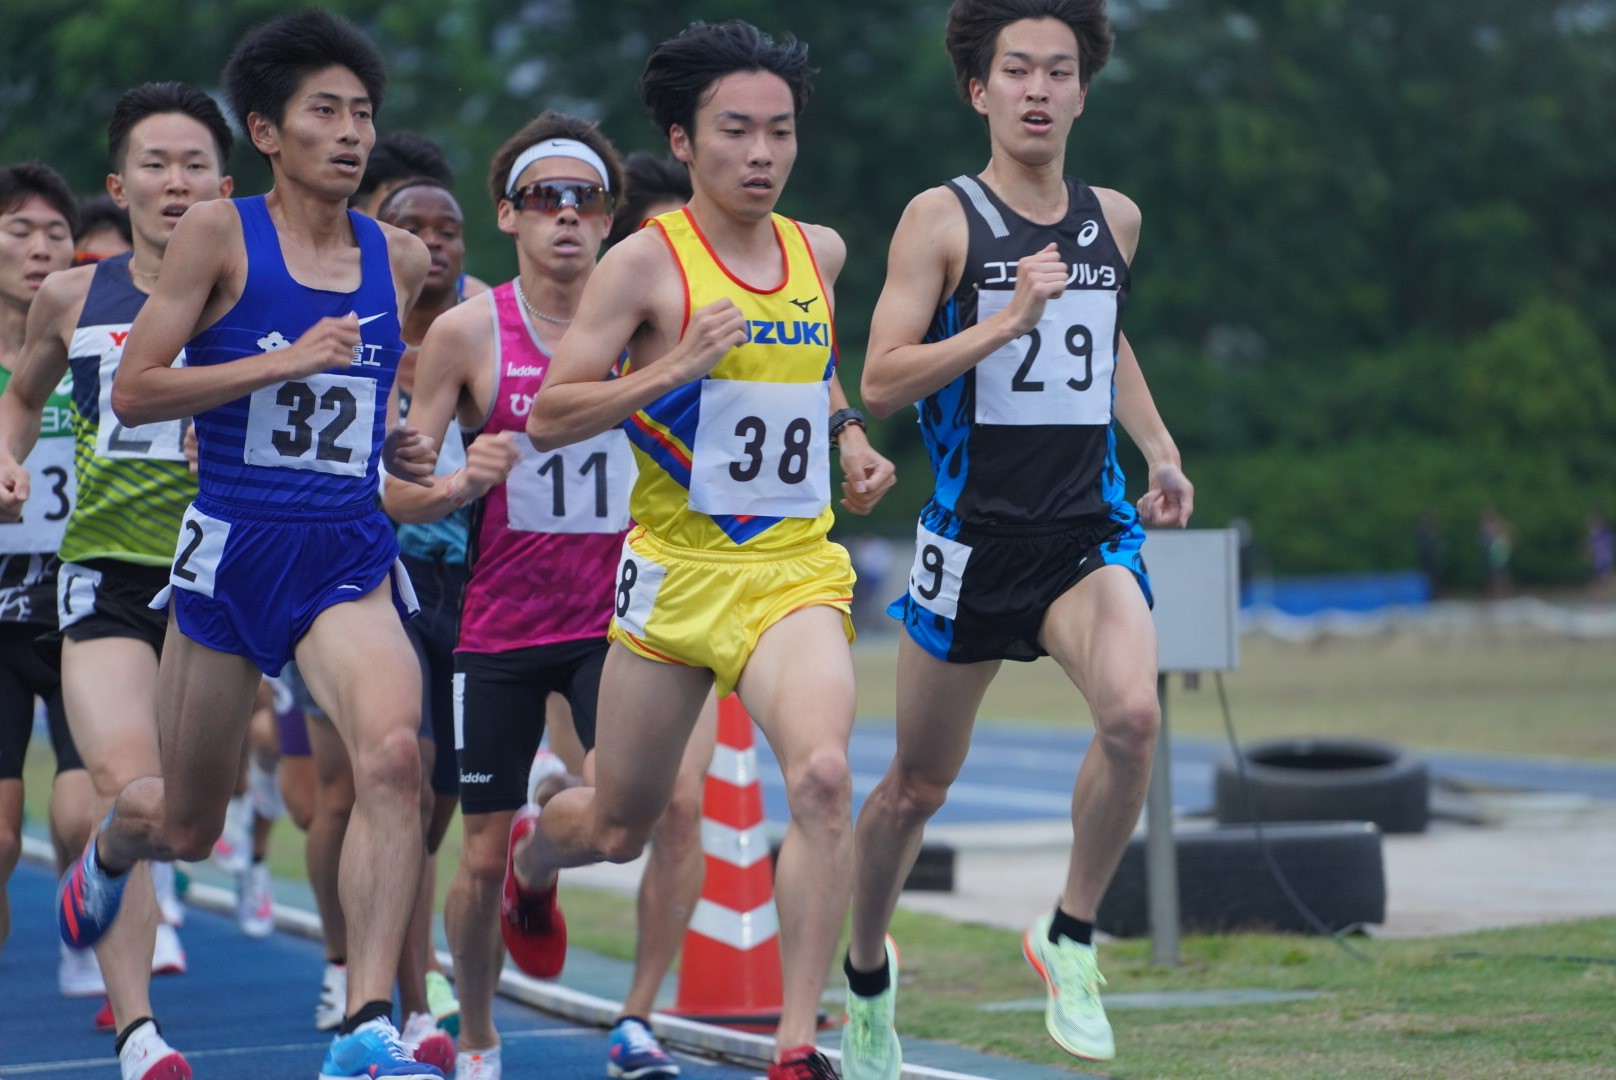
740, 459
733, 495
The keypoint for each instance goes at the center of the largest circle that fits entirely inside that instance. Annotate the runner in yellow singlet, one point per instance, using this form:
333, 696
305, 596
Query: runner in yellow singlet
730, 399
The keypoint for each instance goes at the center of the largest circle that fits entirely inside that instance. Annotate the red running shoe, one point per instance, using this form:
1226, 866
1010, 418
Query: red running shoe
802, 1063
103, 1018
534, 930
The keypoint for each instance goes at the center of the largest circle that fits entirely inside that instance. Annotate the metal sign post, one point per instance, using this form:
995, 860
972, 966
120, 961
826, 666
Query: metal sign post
1195, 576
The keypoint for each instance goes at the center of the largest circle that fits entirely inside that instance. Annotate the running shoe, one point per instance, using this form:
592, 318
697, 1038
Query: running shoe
332, 1007
1073, 1015
145, 1056
633, 1053
105, 1022
429, 1045
373, 1049
478, 1065
870, 1047
255, 901
232, 852
545, 777
78, 974
802, 1063
440, 998
87, 899
165, 883
531, 923
168, 955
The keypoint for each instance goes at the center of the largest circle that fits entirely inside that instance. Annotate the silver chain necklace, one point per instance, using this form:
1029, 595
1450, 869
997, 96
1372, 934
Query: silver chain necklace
535, 312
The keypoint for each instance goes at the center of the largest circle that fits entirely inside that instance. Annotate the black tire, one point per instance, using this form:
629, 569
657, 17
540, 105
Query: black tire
1326, 779
1224, 882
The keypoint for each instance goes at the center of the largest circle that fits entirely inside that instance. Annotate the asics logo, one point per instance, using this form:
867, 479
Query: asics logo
1090, 230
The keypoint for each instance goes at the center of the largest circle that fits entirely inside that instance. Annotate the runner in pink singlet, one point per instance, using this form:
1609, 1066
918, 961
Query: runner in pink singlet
546, 533
540, 539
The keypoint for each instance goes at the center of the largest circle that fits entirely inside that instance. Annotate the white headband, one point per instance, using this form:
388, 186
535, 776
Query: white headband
567, 148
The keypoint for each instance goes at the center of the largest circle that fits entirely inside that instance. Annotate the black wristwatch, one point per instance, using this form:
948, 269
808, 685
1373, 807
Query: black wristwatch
843, 417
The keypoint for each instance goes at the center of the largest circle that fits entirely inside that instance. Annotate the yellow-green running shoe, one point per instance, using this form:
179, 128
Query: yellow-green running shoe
440, 998
870, 1047
1074, 1016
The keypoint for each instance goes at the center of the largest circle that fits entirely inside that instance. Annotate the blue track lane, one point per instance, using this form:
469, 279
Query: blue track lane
244, 1011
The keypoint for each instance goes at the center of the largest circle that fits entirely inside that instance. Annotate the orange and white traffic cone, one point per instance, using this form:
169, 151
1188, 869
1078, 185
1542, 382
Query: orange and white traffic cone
730, 968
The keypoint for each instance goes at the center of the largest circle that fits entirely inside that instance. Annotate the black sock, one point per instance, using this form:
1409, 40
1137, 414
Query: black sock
867, 983
1064, 925
338, 961
370, 1010
123, 1036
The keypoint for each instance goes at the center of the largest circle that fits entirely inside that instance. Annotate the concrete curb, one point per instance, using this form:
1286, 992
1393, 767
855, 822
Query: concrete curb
688, 1035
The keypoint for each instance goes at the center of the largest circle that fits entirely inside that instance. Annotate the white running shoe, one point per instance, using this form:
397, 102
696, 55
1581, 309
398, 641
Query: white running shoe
168, 900
332, 1008
79, 974
168, 955
478, 1065
145, 1056
264, 786
545, 766
428, 1043
255, 901
232, 852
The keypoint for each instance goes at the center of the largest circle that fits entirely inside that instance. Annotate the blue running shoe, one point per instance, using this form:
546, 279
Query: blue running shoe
634, 1054
87, 899
373, 1049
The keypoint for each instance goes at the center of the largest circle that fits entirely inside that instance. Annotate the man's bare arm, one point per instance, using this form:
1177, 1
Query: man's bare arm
43, 361
147, 388
456, 341
577, 400
37, 372
900, 368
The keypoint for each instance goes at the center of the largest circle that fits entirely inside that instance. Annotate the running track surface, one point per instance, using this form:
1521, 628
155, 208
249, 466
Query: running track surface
244, 1011
1020, 773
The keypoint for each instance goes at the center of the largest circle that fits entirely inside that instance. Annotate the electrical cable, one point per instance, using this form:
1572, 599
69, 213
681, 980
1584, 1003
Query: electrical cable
1308, 915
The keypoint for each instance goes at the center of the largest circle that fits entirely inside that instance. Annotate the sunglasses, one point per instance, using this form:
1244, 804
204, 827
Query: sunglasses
549, 196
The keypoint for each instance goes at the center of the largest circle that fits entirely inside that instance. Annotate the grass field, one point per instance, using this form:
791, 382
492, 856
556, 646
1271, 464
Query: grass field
1418, 1010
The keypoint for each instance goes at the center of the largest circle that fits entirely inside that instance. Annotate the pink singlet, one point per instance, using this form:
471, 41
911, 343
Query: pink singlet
545, 543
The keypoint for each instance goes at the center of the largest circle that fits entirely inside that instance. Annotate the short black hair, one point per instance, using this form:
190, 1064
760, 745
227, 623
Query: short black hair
972, 35
406, 184
680, 71
273, 60
647, 179
156, 98
21, 182
553, 125
98, 211
401, 154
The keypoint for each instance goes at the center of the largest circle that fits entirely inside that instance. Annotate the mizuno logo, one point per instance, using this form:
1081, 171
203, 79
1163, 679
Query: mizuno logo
780, 332
805, 304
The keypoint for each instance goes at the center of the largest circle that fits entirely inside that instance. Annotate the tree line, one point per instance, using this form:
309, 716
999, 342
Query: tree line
1377, 278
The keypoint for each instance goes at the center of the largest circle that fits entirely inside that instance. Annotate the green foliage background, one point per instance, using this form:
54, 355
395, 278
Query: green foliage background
1378, 272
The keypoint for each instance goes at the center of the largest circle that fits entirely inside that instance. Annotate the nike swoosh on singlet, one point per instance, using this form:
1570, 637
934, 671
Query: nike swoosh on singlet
371, 318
